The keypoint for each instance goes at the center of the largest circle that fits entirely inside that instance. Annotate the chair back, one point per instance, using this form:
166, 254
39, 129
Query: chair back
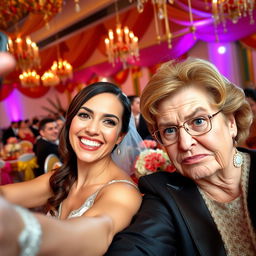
51, 162
26, 146
26, 164
26, 157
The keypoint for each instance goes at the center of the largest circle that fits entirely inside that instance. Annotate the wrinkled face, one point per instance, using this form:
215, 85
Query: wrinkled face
50, 132
135, 107
96, 128
197, 156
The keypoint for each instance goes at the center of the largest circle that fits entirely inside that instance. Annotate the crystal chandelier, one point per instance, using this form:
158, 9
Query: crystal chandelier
62, 69
25, 53
121, 45
162, 25
233, 10
50, 79
29, 79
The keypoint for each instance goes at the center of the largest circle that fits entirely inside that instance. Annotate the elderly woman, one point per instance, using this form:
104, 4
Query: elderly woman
208, 207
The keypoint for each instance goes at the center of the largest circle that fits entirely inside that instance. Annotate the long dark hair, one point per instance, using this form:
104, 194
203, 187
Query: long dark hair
62, 180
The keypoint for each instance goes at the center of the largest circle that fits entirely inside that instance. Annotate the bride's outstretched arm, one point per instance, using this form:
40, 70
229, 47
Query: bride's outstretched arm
58, 237
90, 234
73, 238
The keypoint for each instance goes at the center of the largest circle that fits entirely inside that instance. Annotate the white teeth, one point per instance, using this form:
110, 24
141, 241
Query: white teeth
90, 143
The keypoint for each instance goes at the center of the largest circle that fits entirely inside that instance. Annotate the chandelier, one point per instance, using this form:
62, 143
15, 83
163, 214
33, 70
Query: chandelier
162, 25
25, 52
50, 79
121, 45
62, 69
233, 10
29, 78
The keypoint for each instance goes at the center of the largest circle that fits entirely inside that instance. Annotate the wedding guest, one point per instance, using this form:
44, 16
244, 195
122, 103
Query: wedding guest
90, 196
138, 118
35, 127
11, 131
46, 144
24, 132
208, 207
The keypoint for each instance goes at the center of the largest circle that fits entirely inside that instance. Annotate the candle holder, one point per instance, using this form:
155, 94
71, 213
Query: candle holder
122, 45
25, 52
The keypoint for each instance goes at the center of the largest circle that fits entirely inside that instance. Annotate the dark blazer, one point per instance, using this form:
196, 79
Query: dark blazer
143, 129
9, 132
174, 220
35, 131
42, 149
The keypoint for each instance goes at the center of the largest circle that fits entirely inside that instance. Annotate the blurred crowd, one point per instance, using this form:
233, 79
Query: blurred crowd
37, 136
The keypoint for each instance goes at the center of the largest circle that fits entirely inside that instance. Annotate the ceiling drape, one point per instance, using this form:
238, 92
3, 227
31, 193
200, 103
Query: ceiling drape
79, 48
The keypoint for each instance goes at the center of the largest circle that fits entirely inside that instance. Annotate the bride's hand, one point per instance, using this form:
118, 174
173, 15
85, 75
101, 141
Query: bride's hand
10, 227
7, 63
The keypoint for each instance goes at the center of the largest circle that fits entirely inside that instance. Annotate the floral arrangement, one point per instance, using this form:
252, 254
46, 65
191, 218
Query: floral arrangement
12, 146
152, 160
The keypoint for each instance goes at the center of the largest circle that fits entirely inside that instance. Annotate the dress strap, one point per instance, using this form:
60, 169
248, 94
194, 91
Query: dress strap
90, 200
119, 181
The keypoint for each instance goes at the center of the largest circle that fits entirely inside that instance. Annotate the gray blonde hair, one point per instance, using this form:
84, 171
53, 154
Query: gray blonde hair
172, 76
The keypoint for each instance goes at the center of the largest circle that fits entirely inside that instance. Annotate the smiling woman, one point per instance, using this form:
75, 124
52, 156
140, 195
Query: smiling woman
89, 188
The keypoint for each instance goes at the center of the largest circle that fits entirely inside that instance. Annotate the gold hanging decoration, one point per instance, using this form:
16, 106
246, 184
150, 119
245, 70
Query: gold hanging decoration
233, 10
162, 24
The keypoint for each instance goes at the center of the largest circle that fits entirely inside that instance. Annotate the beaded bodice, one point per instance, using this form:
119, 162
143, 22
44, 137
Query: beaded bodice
90, 200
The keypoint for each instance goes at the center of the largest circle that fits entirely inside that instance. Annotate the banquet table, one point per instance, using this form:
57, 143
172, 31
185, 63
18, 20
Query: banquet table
16, 169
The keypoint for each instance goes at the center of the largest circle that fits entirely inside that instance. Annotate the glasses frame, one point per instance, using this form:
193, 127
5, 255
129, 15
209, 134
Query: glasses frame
186, 129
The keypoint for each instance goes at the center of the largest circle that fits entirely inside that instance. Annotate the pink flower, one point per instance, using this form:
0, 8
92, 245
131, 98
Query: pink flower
12, 140
170, 168
150, 143
152, 160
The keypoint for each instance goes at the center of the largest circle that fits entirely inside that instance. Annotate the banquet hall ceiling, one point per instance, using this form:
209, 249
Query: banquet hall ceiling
80, 35
91, 12
13, 15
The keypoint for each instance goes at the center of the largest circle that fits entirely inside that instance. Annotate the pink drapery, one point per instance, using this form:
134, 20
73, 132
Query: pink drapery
78, 48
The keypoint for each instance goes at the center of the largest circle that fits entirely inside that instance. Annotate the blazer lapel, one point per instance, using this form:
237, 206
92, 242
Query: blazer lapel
198, 219
252, 189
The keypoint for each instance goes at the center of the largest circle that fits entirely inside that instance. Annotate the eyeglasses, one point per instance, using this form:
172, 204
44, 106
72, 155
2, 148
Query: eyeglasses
195, 126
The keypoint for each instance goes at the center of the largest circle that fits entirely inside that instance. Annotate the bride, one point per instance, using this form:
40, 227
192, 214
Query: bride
90, 197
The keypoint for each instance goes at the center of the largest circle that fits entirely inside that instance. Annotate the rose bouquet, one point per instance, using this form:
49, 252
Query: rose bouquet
152, 160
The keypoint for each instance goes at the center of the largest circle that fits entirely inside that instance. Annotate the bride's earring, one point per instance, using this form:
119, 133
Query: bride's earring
238, 159
118, 151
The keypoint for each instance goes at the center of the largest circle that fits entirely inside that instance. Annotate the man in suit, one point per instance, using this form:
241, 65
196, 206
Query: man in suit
34, 126
138, 118
11, 131
46, 144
